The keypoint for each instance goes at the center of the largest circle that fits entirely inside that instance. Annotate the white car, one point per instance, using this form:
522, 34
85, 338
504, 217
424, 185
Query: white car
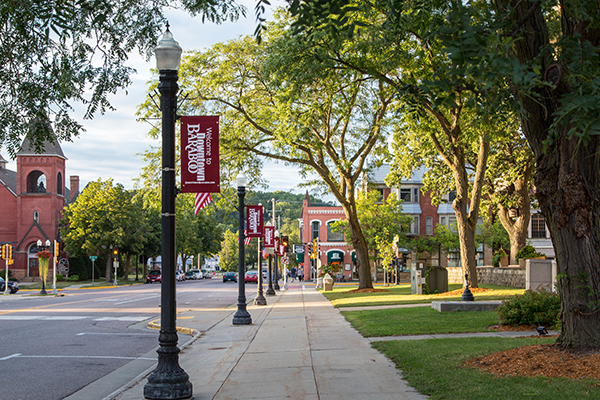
179, 276
196, 274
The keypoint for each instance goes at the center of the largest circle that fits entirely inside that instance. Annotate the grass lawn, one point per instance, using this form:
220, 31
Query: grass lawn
434, 368
418, 320
400, 294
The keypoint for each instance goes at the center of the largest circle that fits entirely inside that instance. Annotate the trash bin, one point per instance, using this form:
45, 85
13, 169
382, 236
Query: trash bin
437, 279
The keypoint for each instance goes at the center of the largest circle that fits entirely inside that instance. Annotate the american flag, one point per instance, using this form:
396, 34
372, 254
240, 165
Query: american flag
202, 200
246, 239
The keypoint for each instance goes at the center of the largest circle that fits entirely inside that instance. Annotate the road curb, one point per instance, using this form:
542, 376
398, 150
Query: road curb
181, 329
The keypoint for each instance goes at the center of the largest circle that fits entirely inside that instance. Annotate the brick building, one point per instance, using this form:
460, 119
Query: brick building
31, 201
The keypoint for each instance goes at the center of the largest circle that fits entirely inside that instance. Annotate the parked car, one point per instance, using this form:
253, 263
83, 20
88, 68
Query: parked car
265, 273
229, 276
179, 277
196, 274
206, 274
251, 276
13, 287
153, 276
189, 275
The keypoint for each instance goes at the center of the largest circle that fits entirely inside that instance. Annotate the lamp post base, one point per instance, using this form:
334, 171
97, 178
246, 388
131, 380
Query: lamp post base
242, 317
169, 380
260, 300
270, 291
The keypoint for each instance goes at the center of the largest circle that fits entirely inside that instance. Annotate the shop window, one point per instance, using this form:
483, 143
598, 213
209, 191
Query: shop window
334, 236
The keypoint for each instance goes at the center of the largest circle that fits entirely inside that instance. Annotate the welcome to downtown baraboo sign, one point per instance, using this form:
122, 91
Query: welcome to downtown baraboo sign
200, 154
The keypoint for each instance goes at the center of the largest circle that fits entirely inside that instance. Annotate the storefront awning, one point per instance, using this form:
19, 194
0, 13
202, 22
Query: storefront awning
335, 256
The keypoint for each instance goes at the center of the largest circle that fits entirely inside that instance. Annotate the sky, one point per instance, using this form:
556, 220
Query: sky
112, 144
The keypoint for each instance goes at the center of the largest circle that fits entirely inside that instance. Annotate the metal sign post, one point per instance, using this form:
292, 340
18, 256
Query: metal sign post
93, 258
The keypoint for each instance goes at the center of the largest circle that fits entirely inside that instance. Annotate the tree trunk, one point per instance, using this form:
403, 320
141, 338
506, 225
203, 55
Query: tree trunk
108, 267
360, 245
466, 236
567, 179
517, 228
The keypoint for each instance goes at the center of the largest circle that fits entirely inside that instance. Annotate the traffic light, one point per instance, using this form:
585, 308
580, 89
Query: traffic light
9, 250
115, 254
56, 249
310, 249
284, 242
4, 252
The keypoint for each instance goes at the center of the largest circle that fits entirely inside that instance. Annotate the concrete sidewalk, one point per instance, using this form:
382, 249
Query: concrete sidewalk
298, 347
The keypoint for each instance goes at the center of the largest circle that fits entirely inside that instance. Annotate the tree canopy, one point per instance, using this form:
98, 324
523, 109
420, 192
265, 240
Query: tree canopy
55, 53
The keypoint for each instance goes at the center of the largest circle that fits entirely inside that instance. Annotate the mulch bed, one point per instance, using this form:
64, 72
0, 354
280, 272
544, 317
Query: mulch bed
367, 291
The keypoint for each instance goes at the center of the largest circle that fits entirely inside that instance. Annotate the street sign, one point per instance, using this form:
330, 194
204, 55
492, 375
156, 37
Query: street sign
93, 258
299, 248
285, 260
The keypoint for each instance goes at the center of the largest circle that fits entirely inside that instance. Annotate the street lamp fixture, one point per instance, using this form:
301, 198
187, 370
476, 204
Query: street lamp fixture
168, 380
241, 317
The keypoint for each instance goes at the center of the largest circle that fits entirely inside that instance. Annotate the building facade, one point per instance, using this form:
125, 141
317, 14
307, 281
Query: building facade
31, 202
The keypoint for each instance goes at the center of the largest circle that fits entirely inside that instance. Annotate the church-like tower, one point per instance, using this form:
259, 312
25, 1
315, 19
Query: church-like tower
41, 198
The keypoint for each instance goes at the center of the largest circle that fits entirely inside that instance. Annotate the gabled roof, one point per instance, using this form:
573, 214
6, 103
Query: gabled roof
377, 175
8, 179
47, 149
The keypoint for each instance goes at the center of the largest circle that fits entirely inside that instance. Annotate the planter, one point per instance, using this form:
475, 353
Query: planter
320, 283
504, 262
523, 261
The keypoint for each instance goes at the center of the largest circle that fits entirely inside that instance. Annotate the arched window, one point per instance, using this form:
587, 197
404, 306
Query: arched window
36, 216
59, 184
36, 182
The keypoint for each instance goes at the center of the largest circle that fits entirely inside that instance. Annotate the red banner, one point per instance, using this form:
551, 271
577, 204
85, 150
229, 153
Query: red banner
269, 236
281, 250
254, 221
200, 154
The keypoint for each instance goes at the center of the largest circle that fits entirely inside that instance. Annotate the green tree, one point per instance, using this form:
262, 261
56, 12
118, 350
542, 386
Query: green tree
55, 53
278, 101
229, 254
103, 215
548, 53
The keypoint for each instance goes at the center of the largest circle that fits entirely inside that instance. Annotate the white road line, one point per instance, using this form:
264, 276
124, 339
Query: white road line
68, 318
116, 334
11, 356
140, 299
134, 319
88, 357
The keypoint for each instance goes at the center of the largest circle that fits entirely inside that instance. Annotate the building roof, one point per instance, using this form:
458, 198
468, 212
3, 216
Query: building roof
8, 179
377, 175
47, 149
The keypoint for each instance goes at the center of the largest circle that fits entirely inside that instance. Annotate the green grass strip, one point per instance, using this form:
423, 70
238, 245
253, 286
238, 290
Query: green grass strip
400, 294
435, 368
419, 320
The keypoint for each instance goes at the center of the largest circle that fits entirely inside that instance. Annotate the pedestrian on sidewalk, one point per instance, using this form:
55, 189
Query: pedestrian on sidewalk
300, 274
293, 274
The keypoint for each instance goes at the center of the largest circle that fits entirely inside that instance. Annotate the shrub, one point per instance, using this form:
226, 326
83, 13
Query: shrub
540, 307
59, 277
74, 278
529, 252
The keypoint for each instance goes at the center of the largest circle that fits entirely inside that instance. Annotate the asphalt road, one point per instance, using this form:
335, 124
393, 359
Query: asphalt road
51, 347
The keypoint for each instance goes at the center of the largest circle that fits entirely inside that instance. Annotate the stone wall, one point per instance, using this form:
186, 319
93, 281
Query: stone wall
509, 277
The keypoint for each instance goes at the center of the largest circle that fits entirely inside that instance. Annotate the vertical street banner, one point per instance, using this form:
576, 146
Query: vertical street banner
269, 236
254, 221
276, 245
281, 250
200, 154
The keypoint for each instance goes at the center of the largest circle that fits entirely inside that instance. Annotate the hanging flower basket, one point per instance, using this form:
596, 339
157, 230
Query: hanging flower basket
43, 259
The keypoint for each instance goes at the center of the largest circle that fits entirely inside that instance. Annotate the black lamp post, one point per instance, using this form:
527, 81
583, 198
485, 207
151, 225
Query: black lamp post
168, 380
241, 317
260, 299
